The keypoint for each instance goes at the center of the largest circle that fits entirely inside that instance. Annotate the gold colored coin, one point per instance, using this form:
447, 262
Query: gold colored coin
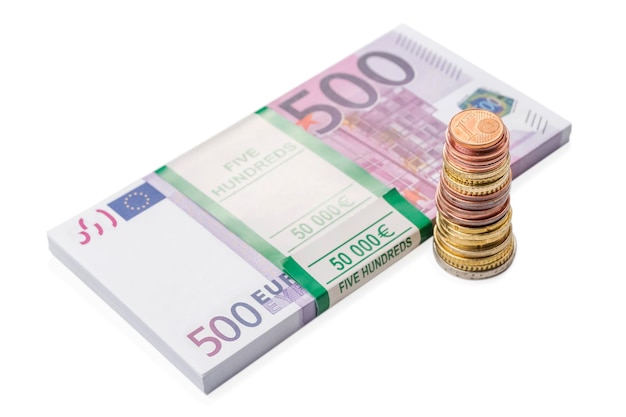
471, 178
441, 219
474, 241
476, 264
473, 264
481, 251
482, 189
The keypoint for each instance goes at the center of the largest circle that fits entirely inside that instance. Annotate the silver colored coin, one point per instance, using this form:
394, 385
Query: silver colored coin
475, 275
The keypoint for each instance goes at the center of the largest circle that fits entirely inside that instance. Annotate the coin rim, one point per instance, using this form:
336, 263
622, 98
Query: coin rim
476, 275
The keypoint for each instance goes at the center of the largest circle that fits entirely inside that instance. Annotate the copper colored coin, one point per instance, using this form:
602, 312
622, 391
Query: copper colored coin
496, 147
458, 217
471, 214
476, 128
475, 162
500, 147
475, 202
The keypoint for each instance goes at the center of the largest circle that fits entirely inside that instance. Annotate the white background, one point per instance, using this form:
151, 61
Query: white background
94, 95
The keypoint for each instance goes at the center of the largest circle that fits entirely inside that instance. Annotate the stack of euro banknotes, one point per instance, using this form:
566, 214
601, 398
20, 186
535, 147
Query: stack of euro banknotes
223, 252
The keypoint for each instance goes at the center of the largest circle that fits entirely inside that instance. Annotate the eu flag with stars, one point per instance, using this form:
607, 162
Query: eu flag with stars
136, 201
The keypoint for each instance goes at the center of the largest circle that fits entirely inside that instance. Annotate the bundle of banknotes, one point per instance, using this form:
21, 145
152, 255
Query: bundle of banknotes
223, 252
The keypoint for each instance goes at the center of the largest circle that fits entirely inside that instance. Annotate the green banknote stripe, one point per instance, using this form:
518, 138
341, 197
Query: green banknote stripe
293, 269
288, 265
224, 216
419, 219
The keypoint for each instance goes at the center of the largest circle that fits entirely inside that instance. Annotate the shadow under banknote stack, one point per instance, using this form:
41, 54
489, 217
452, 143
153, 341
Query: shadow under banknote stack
473, 235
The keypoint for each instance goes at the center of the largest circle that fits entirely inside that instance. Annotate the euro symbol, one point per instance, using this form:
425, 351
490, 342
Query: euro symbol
345, 202
383, 231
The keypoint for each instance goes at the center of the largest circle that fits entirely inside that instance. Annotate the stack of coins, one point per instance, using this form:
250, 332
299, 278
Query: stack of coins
473, 235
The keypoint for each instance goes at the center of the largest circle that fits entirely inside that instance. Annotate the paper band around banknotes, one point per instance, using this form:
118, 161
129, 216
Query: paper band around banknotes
321, 288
